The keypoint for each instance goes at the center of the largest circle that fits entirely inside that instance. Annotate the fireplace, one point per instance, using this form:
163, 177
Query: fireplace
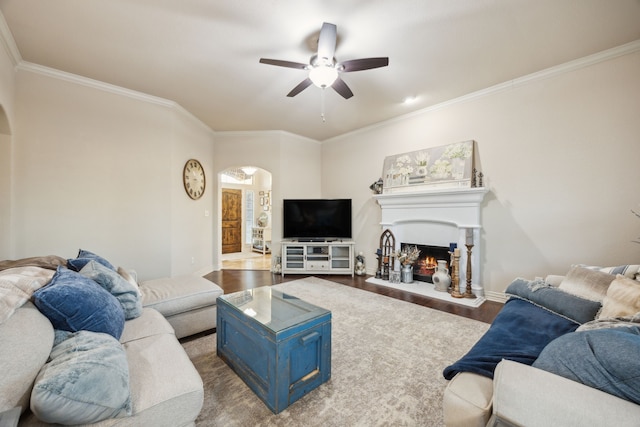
426, 264
438, 218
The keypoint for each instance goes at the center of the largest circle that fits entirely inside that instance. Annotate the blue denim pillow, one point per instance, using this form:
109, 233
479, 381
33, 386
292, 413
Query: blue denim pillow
85, 381
73, 302
604, 359
84, 257
569, 306
116, 285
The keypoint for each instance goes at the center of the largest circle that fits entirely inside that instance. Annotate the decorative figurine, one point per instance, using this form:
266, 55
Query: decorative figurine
360, 269
376, 187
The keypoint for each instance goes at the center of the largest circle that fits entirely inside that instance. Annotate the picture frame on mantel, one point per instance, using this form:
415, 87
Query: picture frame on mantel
446, 166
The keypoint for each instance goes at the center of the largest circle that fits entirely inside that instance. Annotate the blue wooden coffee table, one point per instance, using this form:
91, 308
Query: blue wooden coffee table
278, 344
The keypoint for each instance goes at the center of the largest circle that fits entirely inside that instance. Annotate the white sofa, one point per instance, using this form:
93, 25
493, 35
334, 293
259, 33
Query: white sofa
527, 396
164, 388
523, 395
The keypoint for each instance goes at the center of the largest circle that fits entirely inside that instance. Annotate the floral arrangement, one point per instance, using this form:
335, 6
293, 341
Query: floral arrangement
408, 255
403, 165
440, 168
422, 160
457, 151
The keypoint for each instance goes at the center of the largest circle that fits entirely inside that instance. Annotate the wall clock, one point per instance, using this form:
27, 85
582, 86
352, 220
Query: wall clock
193, 177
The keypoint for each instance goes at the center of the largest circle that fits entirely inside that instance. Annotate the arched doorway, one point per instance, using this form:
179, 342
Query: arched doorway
245, 218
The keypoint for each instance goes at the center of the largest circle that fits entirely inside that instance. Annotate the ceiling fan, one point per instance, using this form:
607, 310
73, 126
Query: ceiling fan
323, 69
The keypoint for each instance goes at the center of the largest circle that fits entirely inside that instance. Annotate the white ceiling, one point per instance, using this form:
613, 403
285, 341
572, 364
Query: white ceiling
203, 54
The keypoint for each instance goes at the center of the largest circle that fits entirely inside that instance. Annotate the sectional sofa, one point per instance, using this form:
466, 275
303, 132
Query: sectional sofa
83, 344
563, 352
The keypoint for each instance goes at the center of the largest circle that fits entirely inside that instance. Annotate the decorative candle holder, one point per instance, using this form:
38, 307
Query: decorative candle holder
468, 293
455, 279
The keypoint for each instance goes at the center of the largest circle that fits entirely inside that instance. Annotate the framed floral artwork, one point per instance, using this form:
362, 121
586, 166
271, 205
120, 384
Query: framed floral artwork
447, 166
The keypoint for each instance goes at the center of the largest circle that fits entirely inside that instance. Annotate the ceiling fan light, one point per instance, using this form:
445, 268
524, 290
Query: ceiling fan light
323, 76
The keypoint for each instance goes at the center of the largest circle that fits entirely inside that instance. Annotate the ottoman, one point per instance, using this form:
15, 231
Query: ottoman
187, 302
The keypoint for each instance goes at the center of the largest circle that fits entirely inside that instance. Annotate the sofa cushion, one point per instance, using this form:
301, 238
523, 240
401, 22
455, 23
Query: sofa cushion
587, 283
176, 295
148, 324
622, 299
17, 285
73, 302
85, 381
604, 359
116, 285
26, 339
84, 257
165, 385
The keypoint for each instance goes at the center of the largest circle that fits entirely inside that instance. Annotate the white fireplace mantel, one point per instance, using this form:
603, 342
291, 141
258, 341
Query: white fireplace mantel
438, 217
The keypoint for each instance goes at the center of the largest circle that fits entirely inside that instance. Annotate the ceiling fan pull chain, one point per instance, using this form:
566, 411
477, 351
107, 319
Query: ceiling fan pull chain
322, 105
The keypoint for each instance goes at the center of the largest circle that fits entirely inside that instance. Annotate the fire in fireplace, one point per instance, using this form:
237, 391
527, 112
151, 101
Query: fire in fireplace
426, 264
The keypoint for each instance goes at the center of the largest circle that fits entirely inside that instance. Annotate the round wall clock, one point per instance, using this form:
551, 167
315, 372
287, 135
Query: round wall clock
194, 181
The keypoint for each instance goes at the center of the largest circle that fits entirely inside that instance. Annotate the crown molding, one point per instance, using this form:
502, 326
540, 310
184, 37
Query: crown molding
280, 133
96, 84
107, 87
8, 42
557, 70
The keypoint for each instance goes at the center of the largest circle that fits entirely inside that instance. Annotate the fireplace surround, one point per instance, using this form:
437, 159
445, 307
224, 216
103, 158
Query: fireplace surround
438, 218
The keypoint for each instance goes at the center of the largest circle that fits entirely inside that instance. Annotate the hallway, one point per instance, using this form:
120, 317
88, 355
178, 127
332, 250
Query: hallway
246, 261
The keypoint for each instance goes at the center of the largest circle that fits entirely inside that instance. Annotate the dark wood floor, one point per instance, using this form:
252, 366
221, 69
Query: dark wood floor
238, 280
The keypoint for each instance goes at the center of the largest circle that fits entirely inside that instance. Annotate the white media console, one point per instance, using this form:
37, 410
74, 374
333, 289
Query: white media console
332, 257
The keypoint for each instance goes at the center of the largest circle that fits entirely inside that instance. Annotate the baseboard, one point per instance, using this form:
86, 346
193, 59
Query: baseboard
495, 296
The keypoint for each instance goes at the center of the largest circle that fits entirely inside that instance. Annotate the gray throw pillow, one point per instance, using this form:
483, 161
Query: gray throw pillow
85, 381
126, 293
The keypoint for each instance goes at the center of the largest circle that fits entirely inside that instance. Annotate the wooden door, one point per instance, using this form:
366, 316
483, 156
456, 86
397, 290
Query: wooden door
231, 221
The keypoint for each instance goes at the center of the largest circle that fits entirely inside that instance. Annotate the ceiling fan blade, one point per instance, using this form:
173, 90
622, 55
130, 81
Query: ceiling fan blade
363, 64
301, 86
341, 87
287, 64
327, 41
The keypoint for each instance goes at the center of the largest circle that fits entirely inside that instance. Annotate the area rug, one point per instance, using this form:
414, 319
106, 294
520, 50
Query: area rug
387, 362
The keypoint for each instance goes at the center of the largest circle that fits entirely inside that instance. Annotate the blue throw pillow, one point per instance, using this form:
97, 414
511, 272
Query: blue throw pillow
84, 257
85, 381
604, 359
73, 302
569, 306
116, 285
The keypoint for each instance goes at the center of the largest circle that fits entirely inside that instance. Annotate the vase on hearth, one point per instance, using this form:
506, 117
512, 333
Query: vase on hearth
441, 278
406, 273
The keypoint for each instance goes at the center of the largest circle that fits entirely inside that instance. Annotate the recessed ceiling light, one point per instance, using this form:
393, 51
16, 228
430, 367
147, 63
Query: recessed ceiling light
409, 99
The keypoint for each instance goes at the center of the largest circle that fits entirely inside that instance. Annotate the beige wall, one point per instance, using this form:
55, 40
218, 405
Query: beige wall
7, 83
102, 171
561, 159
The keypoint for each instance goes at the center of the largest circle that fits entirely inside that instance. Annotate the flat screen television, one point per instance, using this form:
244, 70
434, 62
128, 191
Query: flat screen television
316, 219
